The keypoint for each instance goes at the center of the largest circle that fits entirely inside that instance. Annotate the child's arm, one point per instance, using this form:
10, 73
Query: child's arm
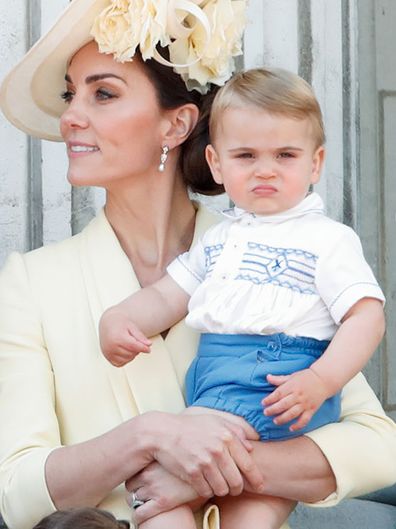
300, 395
123, 329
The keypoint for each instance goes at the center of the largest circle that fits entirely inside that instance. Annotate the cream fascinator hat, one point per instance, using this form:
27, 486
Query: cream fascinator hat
203, 37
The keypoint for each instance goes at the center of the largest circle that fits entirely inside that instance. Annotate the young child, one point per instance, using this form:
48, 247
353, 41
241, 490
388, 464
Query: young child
288, 308
82, 518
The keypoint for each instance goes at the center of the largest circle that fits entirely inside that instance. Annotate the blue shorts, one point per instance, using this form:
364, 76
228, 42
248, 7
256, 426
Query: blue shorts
229, 374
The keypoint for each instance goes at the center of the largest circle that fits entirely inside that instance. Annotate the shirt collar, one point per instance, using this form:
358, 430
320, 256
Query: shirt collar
312, 203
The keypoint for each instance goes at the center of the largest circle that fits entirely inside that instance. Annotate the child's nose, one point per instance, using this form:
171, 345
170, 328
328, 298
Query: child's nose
265, 168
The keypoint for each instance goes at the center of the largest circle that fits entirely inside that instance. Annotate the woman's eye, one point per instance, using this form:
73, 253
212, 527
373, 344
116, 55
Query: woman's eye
67, 96
104, 95
245, 155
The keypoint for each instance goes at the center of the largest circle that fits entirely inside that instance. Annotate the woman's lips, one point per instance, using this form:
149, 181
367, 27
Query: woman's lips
81, 149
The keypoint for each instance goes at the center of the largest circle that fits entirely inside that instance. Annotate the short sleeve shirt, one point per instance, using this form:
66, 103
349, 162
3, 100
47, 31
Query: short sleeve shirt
298, 272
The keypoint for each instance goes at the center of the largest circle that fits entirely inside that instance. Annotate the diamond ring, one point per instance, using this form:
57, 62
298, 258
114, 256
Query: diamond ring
133, 501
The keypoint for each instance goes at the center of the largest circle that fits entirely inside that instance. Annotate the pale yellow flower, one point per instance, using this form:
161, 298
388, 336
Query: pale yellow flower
148, 19
203, 36
112, 31
216, 63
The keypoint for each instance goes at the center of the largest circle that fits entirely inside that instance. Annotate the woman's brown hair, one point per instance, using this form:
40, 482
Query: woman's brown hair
172, 92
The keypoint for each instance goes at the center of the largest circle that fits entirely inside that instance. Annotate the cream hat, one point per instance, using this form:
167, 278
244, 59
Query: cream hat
30, 93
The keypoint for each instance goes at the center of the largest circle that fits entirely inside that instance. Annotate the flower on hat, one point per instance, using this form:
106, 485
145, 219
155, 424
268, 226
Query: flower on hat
124, 25
203, 36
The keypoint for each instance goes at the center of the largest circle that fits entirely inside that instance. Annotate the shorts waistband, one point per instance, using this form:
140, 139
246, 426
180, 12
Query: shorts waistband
272, 342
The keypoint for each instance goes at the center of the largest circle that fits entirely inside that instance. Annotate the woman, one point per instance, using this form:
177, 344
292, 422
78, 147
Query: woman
76, 428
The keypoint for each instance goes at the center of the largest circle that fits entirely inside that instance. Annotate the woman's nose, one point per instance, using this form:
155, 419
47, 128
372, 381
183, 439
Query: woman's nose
74, 117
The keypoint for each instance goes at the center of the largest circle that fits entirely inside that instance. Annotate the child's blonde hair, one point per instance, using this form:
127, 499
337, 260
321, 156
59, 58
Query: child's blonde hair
273, 90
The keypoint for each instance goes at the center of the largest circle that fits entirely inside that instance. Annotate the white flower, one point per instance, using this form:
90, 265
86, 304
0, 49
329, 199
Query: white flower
203, 36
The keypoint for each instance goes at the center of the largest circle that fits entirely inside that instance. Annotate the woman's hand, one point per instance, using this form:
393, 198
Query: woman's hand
209, 452
161, 491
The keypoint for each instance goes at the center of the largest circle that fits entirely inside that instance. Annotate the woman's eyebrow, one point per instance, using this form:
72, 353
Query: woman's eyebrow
96, 77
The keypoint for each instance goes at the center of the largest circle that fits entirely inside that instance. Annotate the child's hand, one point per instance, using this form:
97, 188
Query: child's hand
298, 396
120, 338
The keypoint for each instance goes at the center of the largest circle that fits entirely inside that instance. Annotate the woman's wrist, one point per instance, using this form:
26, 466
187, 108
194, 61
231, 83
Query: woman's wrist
99, 465
140, 440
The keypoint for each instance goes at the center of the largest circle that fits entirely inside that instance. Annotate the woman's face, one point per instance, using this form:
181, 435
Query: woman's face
112, 124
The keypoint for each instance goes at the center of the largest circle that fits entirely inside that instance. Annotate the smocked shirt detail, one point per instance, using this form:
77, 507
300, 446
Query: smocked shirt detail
297, 272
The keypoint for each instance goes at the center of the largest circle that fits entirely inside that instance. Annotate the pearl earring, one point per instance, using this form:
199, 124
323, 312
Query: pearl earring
164, 157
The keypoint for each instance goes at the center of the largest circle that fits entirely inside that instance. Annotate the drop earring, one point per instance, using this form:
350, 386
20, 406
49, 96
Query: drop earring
164, 157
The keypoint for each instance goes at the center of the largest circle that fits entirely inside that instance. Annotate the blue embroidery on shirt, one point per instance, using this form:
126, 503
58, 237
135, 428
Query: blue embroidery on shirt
291, 268
211, 255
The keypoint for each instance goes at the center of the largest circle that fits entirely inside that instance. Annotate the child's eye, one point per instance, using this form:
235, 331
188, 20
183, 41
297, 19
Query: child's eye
286, 154
245, 155
67, 96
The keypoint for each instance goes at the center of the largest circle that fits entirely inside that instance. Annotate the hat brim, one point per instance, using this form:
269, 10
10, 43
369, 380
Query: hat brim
30, 95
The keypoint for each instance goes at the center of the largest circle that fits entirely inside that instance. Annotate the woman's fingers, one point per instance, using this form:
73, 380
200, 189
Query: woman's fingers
223, 474
146, 511
160, 490
209, 453
196, 478
247, 466
226, 470
244, 432
231, 474
150, 509
218, 483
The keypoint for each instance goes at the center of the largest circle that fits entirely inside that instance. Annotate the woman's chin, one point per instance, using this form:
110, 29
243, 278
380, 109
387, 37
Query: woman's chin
81, 180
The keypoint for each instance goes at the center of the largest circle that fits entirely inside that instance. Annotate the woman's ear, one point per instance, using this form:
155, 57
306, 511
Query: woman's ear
214, 163
317, 164
179, 123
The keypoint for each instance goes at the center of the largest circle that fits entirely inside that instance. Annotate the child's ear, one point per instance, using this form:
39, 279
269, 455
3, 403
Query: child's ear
214, 163
317, 164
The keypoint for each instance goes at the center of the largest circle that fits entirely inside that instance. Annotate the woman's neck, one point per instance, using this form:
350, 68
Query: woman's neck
152, 225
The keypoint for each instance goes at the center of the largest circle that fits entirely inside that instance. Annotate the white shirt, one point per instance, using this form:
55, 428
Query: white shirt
296, 272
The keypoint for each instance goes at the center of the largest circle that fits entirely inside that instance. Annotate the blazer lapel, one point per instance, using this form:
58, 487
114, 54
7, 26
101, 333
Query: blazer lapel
150, 381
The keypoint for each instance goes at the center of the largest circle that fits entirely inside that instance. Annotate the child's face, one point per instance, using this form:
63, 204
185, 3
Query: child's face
265, 161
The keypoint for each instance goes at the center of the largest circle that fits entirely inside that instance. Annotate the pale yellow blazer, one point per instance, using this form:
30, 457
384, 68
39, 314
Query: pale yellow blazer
56, 388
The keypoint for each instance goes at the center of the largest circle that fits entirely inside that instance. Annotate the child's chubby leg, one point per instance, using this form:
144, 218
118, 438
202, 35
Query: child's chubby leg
182, 517
252, 510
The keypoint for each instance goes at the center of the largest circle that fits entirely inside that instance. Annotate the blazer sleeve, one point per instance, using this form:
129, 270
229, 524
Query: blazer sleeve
361, 448
29, 426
